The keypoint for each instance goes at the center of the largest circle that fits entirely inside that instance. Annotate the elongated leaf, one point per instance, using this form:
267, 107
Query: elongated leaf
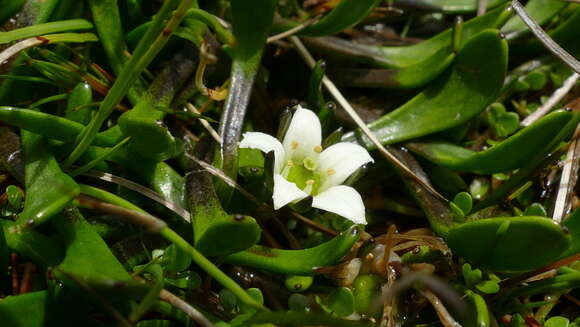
48, 308
297, 262
251, 24
79, 269
506, 244
48, 189
464, 91
345, 15
509, 154
43, 29
446, 6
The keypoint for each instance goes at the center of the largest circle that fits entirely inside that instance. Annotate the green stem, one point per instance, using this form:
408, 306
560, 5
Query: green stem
210, 268
43, 29
100, 159
49, 99
121, 207
143, 55
223, 34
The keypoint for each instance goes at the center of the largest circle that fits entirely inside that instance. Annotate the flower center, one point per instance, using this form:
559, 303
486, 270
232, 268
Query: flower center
304, 175
309, 164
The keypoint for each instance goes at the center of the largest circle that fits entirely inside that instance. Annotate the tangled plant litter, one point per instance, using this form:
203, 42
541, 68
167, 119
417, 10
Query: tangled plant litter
467, 213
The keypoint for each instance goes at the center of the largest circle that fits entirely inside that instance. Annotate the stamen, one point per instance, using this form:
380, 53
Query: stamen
330, 172
286, 170
294, 145
318, 149
309, 185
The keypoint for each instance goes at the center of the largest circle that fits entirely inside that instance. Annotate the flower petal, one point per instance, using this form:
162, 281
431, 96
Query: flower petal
285, 192
342, 200
265, 143
303, 135
337, 162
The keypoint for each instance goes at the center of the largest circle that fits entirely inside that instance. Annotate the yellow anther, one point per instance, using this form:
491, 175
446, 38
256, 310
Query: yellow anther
310, 182
290, 163
318, 149
294, 145
330, 172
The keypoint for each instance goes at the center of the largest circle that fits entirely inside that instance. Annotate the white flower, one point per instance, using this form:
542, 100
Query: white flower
301, 168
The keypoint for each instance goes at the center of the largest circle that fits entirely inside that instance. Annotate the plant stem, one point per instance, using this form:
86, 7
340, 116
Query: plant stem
210, 268
142, 57
156, 225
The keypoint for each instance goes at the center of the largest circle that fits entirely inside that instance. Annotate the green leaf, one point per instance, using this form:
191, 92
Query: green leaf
488, 286
48, 308
228, 300
340, 302
505, 244
298, 283
458, 214
251, 21
572, 223
48, 189
464, 202
187, 280
465, 90
297, 262
512, 153
83, 245
535, 209
346, 14
557, 322
4, 254
43, 29
304, 318
297, 302
503, 123
175, 260
257, 295
366, 288
540, 10
517, 321
447, 6
215, 231
481, 311
471, 276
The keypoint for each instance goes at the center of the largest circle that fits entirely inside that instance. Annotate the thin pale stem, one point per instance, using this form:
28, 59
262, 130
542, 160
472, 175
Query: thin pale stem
46, 39
568, 179
444, 316
292, 31
179, 210
20, 46
556, 97
333, 90
546, 40
205, 123
481, 7
180, 304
